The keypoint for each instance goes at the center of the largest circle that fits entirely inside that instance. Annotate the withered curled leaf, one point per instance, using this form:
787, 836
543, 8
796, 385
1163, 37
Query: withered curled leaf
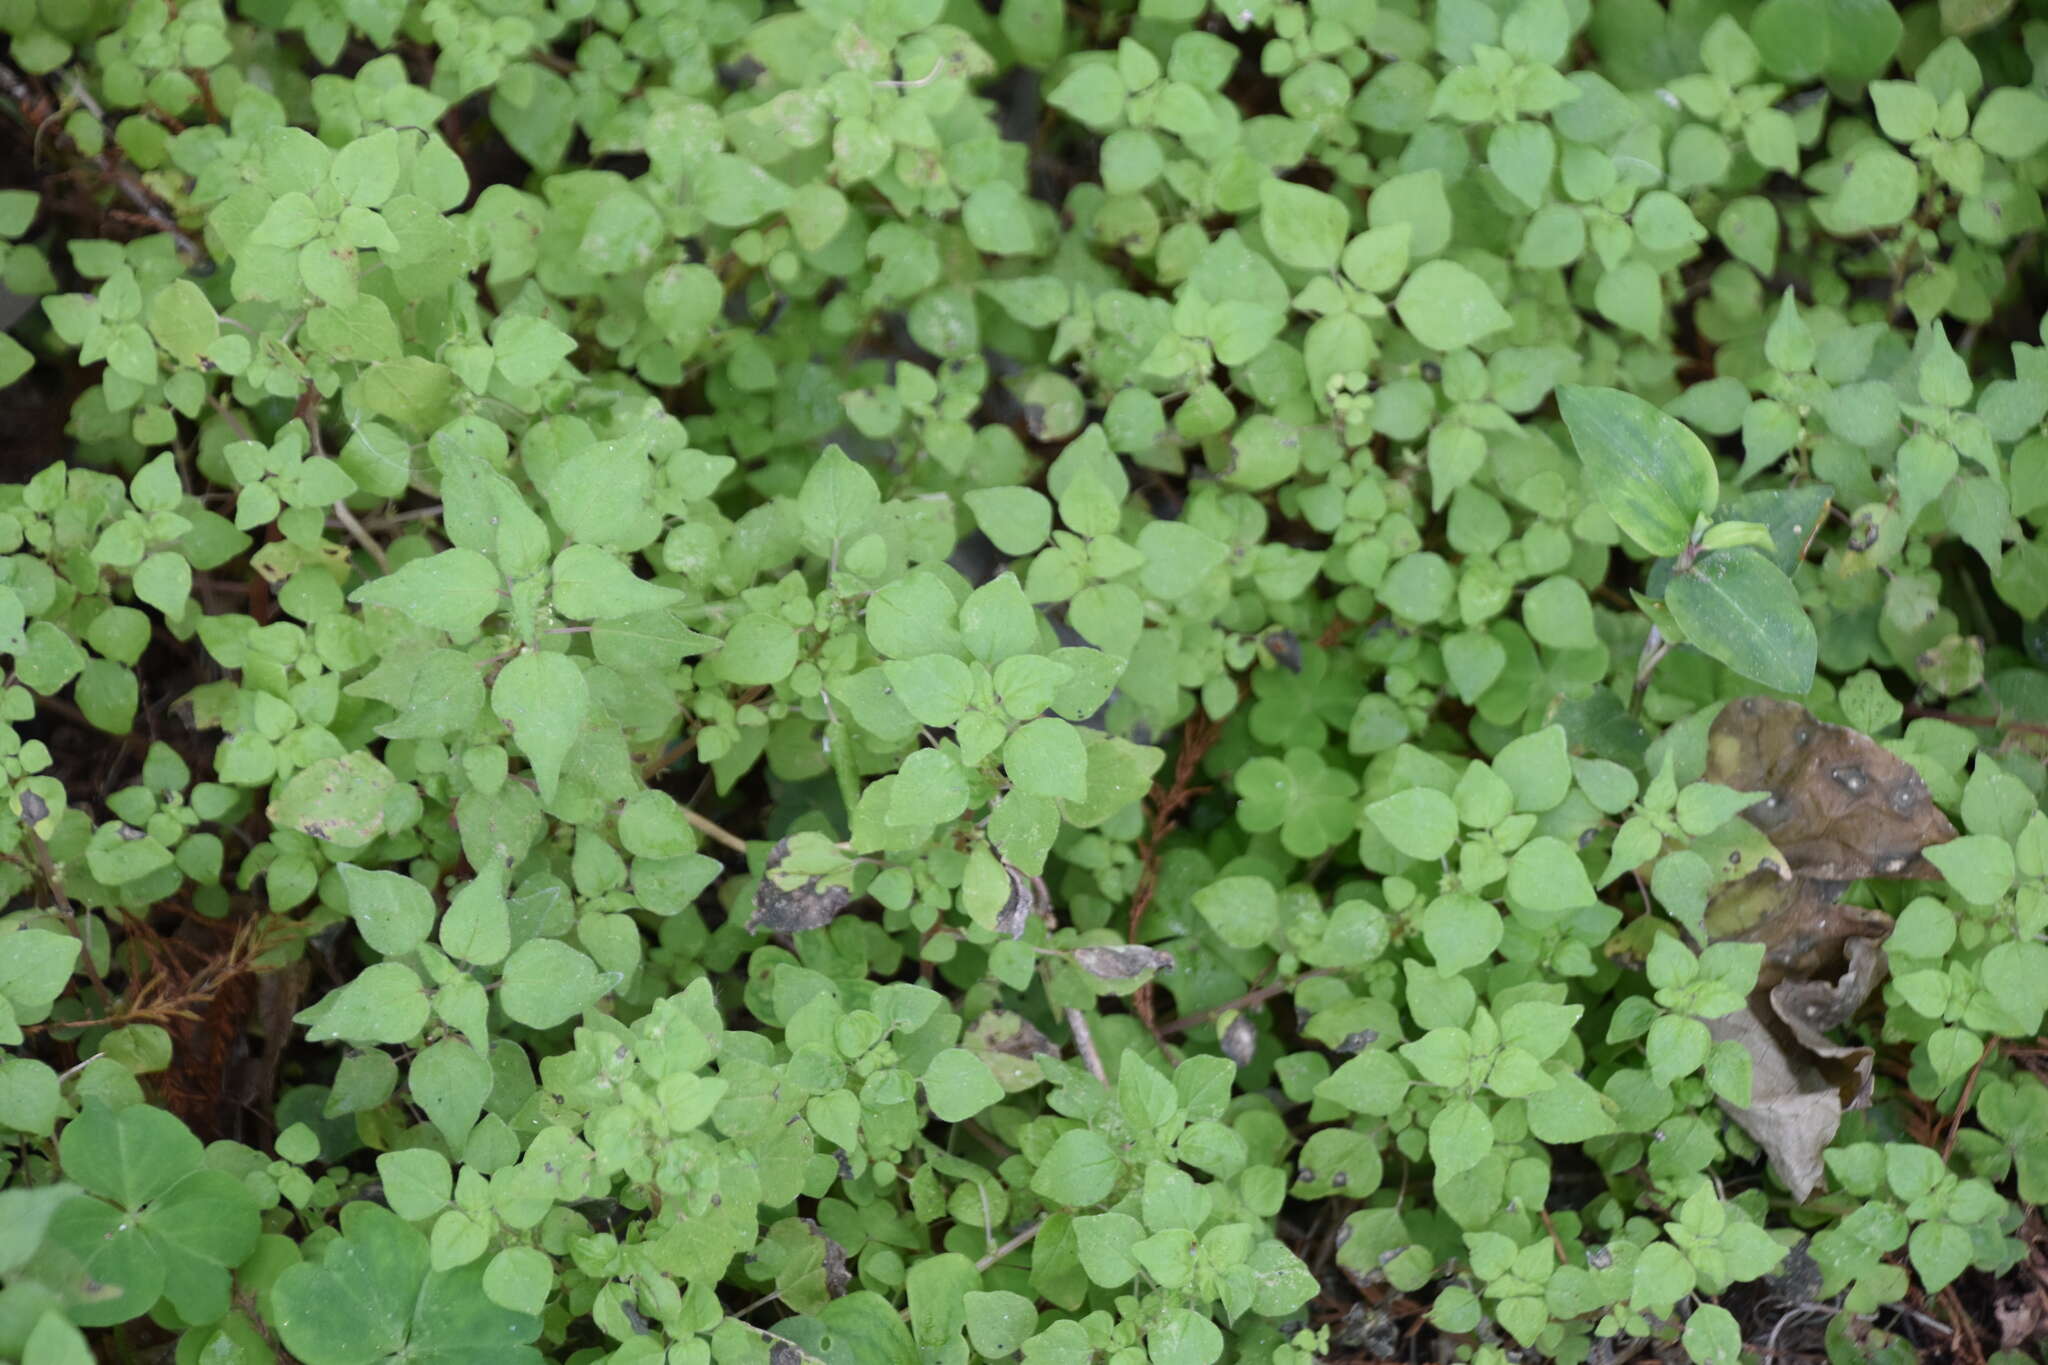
1023, 902
1124, 962
1840, 807
1240, 1039
786, 903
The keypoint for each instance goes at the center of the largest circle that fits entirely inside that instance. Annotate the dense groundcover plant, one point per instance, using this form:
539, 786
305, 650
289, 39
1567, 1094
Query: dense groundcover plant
898, 681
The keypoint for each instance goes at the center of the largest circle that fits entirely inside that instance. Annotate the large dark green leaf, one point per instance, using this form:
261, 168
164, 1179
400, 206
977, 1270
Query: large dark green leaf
1739, 608
1650, 472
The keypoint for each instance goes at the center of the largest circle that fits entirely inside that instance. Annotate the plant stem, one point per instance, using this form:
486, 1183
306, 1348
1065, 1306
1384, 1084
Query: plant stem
1030, 1231
714, 831
361, 537
1188, 1022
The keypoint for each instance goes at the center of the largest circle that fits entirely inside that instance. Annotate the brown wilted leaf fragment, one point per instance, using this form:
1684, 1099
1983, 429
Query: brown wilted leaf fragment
786, 904
1123, 963
1822, 961
1024, 901
1010, 1045
1840, 806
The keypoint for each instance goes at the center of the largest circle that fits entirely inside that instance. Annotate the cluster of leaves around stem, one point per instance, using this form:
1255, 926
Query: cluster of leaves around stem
1312, 394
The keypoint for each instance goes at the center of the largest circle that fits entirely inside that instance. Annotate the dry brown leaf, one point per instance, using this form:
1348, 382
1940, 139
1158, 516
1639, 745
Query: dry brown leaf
1023, 902
1840, 807
1802, 1082
1822, 959
1123, 962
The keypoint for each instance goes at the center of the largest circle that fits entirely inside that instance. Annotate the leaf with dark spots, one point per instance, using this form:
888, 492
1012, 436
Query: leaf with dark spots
837, 1274
1010, 1046
788, 902
1285, 647
1839, 806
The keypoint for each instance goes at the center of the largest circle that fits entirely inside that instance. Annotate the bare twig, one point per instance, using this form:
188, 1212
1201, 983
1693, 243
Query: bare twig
361, 537
713, 831
1955, 1126
1246, 1001
400, 518
16, 88
1030, 1231
1980, 722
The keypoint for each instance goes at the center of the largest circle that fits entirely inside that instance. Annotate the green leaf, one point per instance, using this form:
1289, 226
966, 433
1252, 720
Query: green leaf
452, 591
733, 192
913, 616
35, 965
131, 1155
528, 349
546, 983
519, 1279
837, 500
1712, 1336
1445, 306
1650, 472
1092, 93
591, 584
1537, 769
1546, 876
394, 913
541, 698
384, 1004
958, 1085
374, 1295
930, 789
1460, 1136
1244, 911
1739, 608
1461, 931
1979, 866
1017, 520
1421, 822
2012, 122
1047, 758
1879, 188
183, 321
998, 219
1305, 227
999, 1322
417, 1182
1079, 1169
1940, 1252
1560, 615
449, 1081
29, 1097
477, 928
